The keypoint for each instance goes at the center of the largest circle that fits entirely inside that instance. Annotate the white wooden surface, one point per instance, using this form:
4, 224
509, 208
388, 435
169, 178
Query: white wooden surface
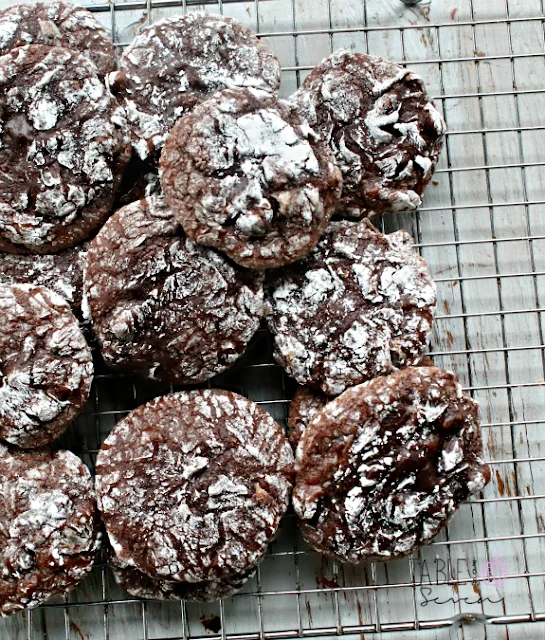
298, 592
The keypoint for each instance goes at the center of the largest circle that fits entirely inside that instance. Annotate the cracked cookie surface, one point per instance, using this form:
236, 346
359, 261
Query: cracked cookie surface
162, 306
384, 129
63, 149
359, 306
178, 62
57, 24
61, 272
245, 174
192, 485
48, 526
46, 366
140, 585
381, 469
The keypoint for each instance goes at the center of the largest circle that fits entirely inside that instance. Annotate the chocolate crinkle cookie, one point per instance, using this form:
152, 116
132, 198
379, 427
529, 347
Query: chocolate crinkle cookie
382, 126
46, 367
57, 24
383, 467
359, 306
178, 62
192, 486
61, 272
48, 526
140, 585
63, 148
162, 306
244, 173
304, 405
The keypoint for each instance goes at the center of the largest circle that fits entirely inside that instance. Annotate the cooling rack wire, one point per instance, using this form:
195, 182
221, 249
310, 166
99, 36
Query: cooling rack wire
482, 230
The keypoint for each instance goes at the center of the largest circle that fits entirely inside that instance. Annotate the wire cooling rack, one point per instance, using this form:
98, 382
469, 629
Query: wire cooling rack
482, 230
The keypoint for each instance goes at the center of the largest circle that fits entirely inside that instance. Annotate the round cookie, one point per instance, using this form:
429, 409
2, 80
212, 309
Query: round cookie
61, 272
57, 24
46, 366
383, 467
140, 585
178, 62
359, 306
304, 405
245, 174
48, 526
63, 150
382, 126
192, 485
162, 306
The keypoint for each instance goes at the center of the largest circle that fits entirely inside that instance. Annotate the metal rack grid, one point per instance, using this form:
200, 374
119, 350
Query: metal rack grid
482, 230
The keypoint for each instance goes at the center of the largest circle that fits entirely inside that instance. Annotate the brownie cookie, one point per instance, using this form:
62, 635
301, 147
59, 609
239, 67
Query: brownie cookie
162, 306
245, 174
306, 402
192, 485
304, 405
46, 366
178, 62
382, 126
63, 149
359, 306
61, 272
57, 24
48, 526
140, 585
382, 468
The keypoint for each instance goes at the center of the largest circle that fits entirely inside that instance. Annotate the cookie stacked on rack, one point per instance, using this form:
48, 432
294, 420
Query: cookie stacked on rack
64, 149
173, 204
192, 487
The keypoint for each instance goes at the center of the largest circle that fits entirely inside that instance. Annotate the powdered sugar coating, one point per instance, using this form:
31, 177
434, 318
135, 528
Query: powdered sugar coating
245, 174
48, 526
382, 468
359, 306
61, 272
178, 62
63, 149
304, 405
192, 485
46, 365
140, 585
162, 306
383, 128
57, 24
